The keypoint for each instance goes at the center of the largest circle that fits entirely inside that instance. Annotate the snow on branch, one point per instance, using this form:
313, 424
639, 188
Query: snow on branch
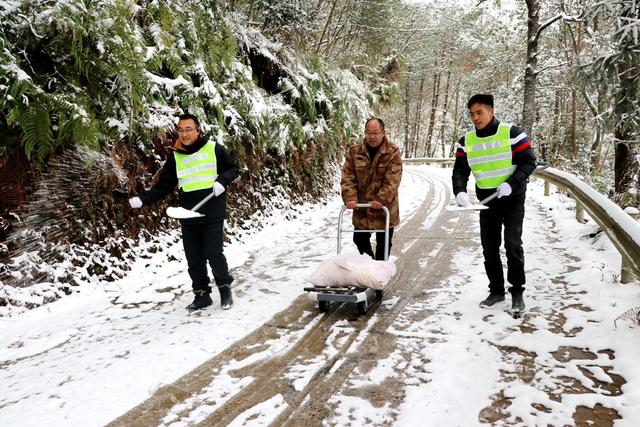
551, 66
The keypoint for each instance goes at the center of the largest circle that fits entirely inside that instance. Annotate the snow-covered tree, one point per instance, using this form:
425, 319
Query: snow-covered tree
615, 29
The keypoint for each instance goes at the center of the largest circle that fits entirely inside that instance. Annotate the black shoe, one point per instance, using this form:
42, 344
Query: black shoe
492, 299
225, 296
517, 303
201, 300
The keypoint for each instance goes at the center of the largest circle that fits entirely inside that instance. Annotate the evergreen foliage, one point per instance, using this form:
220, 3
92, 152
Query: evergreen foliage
614, 72
616, 68
113, 75
75, 72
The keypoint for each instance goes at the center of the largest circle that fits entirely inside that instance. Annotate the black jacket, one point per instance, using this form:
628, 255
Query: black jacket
216, 208
522, 157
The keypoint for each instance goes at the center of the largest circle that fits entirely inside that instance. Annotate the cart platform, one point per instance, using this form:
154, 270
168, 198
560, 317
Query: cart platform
362, 297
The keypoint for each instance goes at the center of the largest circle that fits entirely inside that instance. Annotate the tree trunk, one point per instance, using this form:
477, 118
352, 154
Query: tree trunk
326, 26
418, 116
596, 142
554, 128
407, 142
432, 116
622, 167
574, 137
625, 166
456, 120
250, 14
530, 78
445, 110
352, 35
333, 40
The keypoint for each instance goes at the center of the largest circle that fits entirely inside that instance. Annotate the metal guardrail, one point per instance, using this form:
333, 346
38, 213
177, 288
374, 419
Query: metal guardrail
621, 228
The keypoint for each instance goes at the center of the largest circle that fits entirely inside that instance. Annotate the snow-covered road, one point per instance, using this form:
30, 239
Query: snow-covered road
427, 356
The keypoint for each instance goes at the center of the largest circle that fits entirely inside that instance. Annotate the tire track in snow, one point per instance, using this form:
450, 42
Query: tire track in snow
310, 334
443, 234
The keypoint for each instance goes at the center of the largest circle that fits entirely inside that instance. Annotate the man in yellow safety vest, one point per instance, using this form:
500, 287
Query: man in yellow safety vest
199, 166
501, 159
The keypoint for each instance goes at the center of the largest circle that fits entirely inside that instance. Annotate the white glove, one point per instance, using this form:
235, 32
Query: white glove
503, 189
135, 202
462, 199
218, 188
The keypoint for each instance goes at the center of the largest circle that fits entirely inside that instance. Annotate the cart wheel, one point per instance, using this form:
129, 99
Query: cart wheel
323, 306
362, 307
379, 294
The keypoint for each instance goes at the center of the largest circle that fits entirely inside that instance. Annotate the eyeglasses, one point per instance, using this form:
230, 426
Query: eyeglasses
373, 133
186, 130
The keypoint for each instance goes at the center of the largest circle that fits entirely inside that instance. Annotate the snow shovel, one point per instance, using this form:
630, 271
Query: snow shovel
182, 213
481, 205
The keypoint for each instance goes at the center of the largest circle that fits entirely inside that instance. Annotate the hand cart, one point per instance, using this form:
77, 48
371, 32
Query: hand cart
363, 297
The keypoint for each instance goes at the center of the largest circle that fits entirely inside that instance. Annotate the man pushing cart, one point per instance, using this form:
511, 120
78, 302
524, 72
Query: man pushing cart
370, 182
352, 278
371, 174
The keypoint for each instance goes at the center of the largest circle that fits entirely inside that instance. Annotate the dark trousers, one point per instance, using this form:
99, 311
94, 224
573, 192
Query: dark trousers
510, 214
202, 243
363, 242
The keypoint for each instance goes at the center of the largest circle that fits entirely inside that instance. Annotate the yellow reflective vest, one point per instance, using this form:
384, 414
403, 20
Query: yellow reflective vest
490, 158
197, 171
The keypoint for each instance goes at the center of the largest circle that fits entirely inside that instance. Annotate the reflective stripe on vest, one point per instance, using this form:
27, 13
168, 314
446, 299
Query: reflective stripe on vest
197, 171
490, 158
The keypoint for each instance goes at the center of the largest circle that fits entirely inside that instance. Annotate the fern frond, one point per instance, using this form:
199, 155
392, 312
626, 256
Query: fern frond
154, 63
35, 123
174, 65
155, 32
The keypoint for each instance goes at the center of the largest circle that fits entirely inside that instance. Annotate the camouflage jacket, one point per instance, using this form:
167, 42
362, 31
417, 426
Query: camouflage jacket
365, 179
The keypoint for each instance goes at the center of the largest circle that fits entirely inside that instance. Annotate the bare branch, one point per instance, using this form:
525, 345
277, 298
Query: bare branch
589, 101
551, 66
546, 24
33, 30
564, 17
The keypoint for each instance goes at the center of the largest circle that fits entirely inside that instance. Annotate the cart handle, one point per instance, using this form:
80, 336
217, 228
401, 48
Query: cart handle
386, 228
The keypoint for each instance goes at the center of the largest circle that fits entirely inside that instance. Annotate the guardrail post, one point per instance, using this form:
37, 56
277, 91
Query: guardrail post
626, 273
547, 188
580, 213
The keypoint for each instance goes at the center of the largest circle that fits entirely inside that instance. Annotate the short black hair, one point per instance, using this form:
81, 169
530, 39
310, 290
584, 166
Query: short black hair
481, 98
187, 116
380, 122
